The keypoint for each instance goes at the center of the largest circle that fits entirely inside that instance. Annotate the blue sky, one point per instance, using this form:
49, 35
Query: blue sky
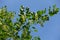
51, 29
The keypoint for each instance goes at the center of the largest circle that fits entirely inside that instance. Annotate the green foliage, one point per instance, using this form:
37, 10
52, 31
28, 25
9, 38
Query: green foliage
53, 11
36, 38
9, 29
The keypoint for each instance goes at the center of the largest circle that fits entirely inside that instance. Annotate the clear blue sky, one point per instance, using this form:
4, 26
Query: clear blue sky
51, 29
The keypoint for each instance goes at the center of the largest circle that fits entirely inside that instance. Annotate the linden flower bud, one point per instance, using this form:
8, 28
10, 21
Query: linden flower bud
5, 27
4, 10
21, 9
0, 23
15, 30
36, 16
23, 18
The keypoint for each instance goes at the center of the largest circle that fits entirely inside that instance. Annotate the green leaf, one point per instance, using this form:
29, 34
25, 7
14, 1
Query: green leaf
54, 11
35, 30
40, 12
51, 13
37, 38
27, 10
45, 18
